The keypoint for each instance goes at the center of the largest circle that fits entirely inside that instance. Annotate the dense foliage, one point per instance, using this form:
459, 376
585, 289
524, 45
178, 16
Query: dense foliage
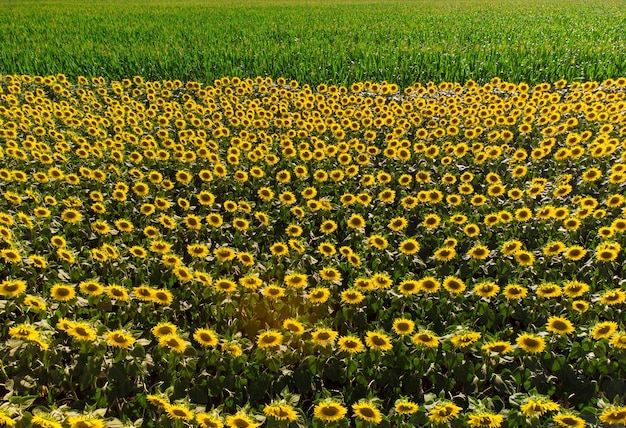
264, 252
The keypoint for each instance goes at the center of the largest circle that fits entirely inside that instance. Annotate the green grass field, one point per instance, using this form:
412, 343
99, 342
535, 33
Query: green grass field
317, 41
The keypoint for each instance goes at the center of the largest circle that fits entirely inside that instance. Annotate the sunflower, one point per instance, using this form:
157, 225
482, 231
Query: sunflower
472, 230
387, 196
173, 342
45, 421
350, 344
537, 406
453, 284
214, 220
486, 289
82, 332
281, 412
35, 303
117, 292
6, 419
209, 420
574, 253
613, 297
293, 326
197, 250
397, 224
269, 339
603, 330
62, 292
409, 246
403, 326
478, 252
514, 292
575, 288
606, 253
119, 339
618, 340
100, 227
293, 230
11, 255
553, 248
329, 410
160, 247
409, 286
497, 347
224, 254
23, 332
523, 214
569, 420
91, 288
162, 297
531, 343
431, 221
548, 290
327, 249
429, 284
377, 241
323, 336
330, 274
279, 249
571, 223
352, 296
559, 325
465, 338
405, 406
176, 411
206, 337
378, 341
328, 227
524, 258
58, 241
366, 410
614, 415
164, 329
319, 295
71, 216
619, 225
225, 285
296, 280
356, 221
443, 412
485, 419
12, 287
580, 306
444, 254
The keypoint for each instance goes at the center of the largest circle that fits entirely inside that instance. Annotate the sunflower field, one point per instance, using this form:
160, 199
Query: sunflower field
259, 252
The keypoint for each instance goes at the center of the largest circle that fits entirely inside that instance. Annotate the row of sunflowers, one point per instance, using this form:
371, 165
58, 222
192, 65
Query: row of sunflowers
256, 252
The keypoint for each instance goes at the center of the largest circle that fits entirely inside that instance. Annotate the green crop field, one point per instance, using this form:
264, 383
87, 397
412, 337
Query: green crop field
317, 41
312, 214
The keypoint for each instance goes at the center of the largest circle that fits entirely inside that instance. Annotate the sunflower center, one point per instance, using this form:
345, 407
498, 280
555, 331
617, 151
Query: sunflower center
531, 343
559, 325
368, 413
118, 338
81, 331
378, 341
330, 411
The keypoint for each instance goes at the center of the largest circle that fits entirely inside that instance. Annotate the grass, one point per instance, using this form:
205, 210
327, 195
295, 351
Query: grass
317, 41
